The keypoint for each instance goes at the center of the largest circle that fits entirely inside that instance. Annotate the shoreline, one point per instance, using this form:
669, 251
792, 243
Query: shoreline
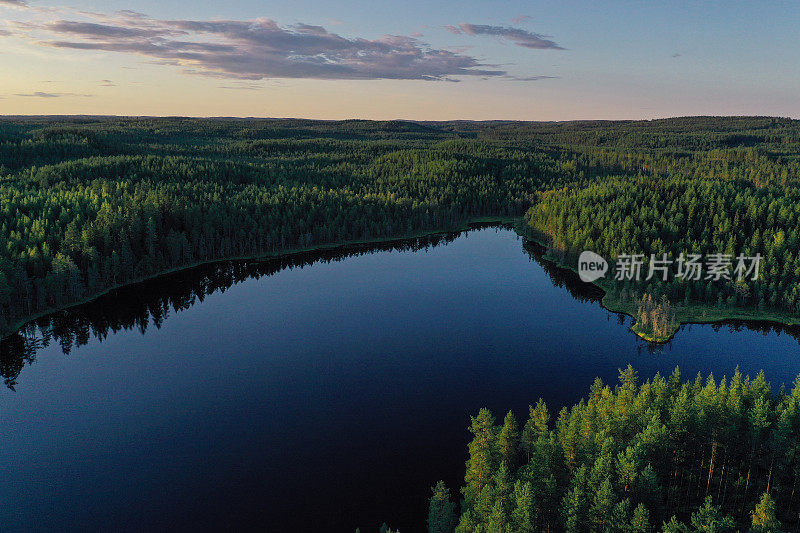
20, 324
691, 314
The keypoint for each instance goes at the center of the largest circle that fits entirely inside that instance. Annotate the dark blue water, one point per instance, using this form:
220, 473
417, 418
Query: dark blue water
310, 395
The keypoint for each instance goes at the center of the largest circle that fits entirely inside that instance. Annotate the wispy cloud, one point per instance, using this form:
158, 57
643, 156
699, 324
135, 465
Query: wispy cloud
517, 36
15, 3
107, 83
40, 94
519, 19
256, 49
242, 86
532, 78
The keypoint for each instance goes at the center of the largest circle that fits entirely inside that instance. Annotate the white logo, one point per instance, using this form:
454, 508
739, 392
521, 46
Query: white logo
591, 266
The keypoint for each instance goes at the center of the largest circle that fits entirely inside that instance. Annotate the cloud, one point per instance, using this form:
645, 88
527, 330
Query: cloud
15, 3
453, 29
249, 87
675, 55
518, 36
519, 19
91, 30
531, 78
39, 94
256, 49
107, 83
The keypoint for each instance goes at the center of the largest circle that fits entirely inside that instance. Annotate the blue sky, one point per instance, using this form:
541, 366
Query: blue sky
512, 60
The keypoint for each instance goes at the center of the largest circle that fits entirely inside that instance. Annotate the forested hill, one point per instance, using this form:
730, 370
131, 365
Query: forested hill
665, 455
91, 203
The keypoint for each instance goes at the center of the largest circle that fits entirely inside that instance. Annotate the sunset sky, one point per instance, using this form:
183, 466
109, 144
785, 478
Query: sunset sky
424, 60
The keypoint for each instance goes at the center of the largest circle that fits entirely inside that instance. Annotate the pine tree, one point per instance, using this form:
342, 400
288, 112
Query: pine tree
536, 426
711, 519
508, 441
441, 511
627, 468
497, 521
764, 518
621, 517
574, 506
602, 506
523, 514
640, 523
648, 488
674, 526
482, 456
503, 488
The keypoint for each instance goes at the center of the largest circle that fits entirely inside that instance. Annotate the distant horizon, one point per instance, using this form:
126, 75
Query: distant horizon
351, 119
556, 61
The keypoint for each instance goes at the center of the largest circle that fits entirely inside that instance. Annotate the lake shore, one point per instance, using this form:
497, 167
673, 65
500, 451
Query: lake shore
684, 314
21, 323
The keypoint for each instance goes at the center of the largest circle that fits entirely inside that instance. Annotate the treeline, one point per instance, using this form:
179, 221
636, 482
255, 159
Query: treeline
665, 455
88, 204
149, 304
137, 198
685, 216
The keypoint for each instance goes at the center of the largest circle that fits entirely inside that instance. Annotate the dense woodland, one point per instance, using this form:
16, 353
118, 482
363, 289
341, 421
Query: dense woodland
705, 191
90, 203
664, 455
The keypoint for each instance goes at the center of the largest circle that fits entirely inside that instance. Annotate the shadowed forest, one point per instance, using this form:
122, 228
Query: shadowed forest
90, 204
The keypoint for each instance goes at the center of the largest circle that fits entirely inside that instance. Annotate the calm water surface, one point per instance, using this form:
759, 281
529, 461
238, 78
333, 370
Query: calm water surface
320, 393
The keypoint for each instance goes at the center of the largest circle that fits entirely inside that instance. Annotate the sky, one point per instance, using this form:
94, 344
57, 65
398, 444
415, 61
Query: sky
419, 60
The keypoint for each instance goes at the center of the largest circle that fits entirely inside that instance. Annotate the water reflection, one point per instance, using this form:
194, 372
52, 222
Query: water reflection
587, 292
150, 303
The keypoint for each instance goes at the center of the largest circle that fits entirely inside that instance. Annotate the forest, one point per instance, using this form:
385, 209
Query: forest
88, 204
668, 454
150, 303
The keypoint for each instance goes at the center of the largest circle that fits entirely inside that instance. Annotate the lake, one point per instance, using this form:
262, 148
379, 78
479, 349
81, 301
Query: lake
322, 392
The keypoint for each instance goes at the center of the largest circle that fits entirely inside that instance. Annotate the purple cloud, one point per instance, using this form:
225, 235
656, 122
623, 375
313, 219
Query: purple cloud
17, 3
39, 94
260, 48
518, 36
91, 30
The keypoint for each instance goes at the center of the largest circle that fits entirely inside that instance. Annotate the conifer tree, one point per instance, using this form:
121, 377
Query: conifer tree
482, 456
710, 518
763, 517
603, 506
640, 523
441, 511
523, 515
508, 441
